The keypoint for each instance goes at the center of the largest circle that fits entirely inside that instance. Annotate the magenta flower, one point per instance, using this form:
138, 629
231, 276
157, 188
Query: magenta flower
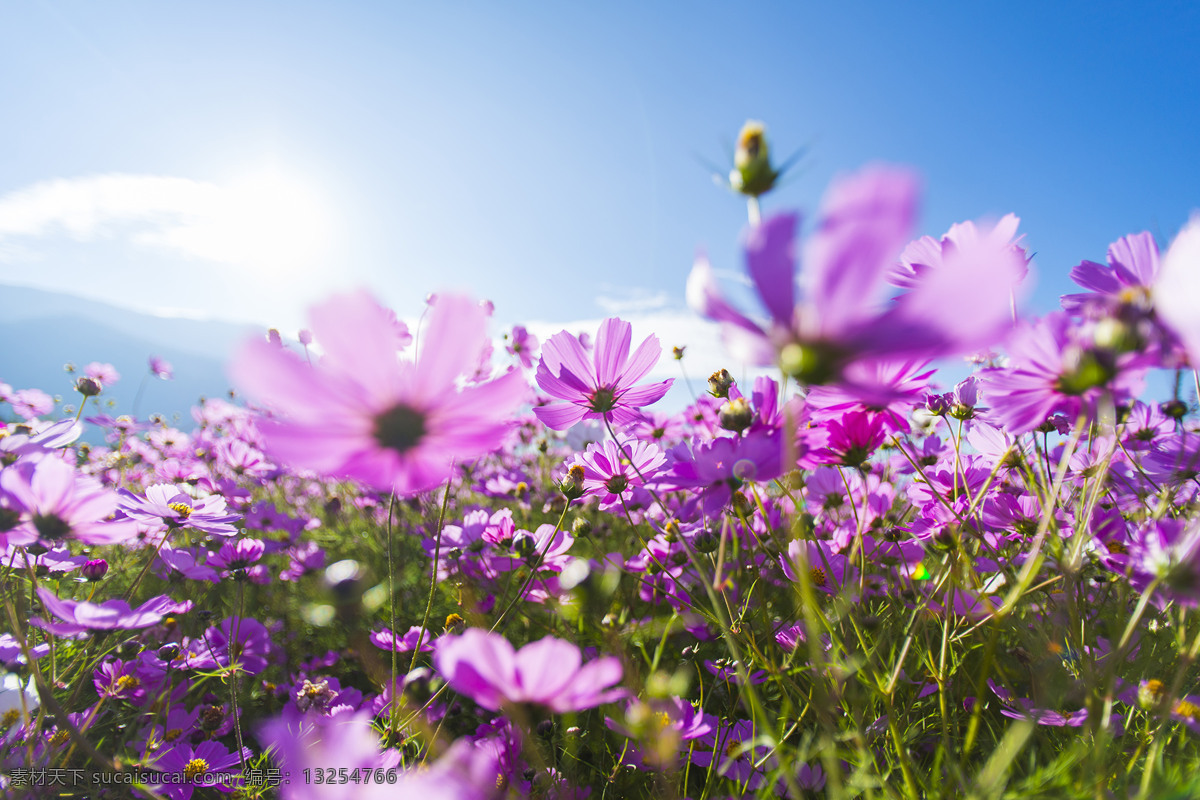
602, 387
165, 505
361, 413
549, 672
107, 616
961, 306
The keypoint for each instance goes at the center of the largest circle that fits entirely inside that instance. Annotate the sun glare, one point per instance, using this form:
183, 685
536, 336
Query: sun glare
268, 220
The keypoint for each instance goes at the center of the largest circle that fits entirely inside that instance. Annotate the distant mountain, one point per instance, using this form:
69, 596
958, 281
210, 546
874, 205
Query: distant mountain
42, 331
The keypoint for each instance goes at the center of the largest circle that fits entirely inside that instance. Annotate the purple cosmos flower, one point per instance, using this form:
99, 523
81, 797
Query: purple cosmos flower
184, 562
80, 616
718, 467
549, 672
206, 764
251, 644
961, 306
345, 740
1126, 280
827, 570
387, 640
602, 387
1021, 708
928, 254
363, 414
165, 505
1167, 550
1054, 368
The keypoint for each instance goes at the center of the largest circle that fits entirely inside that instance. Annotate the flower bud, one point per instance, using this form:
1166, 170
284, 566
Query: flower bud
678, 352
735, 415
705, 541
95, 569
572, 485
752, 172
719, 383
581, 528
88, 387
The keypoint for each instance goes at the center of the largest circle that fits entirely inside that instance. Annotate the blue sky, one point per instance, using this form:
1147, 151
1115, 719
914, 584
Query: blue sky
241, 160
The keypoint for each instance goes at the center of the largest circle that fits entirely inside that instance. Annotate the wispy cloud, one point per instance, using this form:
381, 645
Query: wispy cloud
631, 300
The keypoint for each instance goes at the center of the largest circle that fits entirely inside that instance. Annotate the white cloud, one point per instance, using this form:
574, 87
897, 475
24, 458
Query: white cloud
266, 220
631, 300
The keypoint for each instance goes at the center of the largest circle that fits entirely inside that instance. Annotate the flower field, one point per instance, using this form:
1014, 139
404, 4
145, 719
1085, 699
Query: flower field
444, 561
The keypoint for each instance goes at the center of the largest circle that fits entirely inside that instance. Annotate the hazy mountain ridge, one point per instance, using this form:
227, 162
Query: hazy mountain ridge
42, 331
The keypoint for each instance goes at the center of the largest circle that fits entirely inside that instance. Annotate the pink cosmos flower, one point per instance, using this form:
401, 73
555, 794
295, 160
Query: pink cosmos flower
602, 387
549, 672
361, 413
523, 345
55, 502
612, 472
106, 374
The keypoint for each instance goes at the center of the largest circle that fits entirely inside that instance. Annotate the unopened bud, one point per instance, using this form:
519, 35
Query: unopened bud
719, 383
95, 569
88, 387
705, 541
752, 172
572, 485
581, 528
735, 415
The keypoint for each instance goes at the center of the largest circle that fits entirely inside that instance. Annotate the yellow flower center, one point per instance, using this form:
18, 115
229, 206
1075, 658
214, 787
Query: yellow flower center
9, 719
818, 576
127, 682
197, 766
182, 509
172, 734
1186, 709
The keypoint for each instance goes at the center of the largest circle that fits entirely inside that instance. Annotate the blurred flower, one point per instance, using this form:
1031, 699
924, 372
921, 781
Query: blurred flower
80, 616
962, 306
361, 413
161, 368
548, 672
